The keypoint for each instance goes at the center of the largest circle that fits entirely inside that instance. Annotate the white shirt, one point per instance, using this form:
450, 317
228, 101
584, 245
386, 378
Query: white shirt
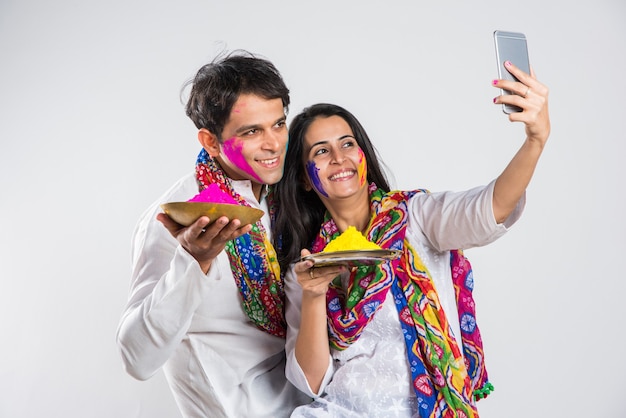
371, 378
217, 362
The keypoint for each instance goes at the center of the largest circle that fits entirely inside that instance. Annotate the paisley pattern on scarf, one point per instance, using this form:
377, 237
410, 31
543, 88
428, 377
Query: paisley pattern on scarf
253, 260
444, 384
463, 279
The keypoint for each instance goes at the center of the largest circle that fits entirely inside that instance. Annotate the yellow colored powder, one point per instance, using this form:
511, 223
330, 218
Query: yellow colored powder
350, 239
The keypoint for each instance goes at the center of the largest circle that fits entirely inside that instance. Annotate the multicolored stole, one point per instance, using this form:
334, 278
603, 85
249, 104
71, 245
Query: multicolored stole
253, 260
445, 382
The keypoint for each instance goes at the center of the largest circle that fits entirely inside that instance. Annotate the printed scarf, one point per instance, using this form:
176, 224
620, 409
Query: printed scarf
445, 384
253, 260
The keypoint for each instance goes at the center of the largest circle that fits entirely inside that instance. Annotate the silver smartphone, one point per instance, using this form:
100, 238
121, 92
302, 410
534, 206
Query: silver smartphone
511, 46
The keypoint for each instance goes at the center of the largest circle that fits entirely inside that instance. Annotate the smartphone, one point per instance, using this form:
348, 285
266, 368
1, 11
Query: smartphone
511, 46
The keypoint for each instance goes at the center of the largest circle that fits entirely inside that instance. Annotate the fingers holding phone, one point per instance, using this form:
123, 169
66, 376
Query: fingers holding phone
533, 103
519, 92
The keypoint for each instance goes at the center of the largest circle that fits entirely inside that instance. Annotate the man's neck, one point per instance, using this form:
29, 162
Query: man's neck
259, 190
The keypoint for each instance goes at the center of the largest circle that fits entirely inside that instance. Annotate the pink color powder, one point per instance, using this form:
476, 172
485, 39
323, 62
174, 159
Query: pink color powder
213, 194
233, 149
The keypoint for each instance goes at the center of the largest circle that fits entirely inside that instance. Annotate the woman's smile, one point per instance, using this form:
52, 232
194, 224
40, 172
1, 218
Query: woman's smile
342, 175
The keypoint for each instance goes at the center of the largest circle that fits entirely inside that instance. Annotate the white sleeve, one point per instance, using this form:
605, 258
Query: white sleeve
460, 220
167, 287
293, 371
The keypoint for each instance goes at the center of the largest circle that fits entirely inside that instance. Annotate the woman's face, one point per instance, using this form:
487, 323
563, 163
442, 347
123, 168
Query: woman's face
335, 164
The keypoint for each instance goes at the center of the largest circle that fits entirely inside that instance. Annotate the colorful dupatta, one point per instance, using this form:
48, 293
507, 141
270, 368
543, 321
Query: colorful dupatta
445, 382
253, 259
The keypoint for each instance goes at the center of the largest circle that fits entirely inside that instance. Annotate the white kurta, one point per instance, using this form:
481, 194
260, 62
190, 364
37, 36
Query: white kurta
217, 362
371, 378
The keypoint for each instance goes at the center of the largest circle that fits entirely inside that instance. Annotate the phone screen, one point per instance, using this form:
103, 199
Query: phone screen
511, 46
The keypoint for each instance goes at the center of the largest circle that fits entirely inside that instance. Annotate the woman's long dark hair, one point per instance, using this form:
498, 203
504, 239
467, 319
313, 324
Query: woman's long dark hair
300, 212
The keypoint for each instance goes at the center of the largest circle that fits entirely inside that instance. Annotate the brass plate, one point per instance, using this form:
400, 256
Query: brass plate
186, 213
352, 258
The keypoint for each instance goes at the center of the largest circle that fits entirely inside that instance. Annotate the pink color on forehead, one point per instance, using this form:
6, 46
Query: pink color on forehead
237, 109
233, 148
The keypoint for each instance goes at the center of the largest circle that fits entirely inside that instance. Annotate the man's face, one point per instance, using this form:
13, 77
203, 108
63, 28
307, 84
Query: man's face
254, 140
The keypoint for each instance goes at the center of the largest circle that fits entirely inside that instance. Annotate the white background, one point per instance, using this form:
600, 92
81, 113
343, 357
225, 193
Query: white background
92, 130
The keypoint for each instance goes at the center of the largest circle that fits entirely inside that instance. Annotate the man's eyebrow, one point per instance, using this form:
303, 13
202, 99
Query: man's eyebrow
245, 128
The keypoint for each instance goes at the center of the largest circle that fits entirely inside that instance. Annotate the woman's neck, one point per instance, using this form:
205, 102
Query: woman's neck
354, 211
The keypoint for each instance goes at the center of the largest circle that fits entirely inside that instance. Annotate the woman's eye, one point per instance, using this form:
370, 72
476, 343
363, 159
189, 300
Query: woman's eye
320, 151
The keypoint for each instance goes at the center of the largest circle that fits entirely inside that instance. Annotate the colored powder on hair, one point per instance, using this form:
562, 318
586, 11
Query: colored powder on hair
213, 194
350, 239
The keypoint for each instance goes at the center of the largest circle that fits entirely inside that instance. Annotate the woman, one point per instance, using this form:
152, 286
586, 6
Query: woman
398, 338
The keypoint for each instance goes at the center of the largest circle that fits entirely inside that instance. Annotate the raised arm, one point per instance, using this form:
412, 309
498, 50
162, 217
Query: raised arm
532, 97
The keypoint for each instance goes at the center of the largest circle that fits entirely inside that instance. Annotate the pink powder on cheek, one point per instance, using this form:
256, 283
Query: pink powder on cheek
233, 150
362, 169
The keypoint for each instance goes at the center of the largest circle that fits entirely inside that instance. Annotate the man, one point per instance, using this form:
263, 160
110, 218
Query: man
206, 301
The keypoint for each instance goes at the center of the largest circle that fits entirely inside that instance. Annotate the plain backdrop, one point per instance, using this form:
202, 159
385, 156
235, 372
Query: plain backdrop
92, 130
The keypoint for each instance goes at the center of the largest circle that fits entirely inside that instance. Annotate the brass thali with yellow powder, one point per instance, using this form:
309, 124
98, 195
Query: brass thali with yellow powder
352, 258
351, 248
